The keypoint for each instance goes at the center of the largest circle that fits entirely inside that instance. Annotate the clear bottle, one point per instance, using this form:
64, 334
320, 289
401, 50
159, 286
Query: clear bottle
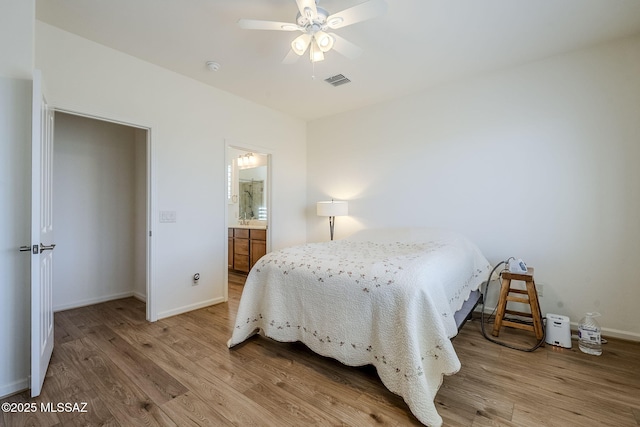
589, 339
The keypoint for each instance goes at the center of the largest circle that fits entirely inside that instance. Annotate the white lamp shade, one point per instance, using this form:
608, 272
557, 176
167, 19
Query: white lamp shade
324, 40
300, 44
315, 53
332, 208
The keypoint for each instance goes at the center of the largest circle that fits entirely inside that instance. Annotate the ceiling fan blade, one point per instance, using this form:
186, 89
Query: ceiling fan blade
367, 10
254, 24
291, 57
345, 47
308, 9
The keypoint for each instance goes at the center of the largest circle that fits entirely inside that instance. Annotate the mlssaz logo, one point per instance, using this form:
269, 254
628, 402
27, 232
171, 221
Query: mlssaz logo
63, 407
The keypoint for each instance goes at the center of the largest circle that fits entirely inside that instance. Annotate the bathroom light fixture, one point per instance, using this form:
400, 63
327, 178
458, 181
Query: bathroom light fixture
332, 209
246, 160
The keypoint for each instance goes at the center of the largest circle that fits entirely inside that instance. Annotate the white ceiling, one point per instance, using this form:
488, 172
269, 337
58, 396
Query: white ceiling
416, 44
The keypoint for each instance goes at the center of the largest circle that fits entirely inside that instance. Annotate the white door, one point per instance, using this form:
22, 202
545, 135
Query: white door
41, 237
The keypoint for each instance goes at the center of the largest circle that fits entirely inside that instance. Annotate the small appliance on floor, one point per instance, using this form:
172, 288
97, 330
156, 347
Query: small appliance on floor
558, 331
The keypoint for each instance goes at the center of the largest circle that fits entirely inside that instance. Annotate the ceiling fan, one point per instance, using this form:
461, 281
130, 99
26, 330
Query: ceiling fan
314, 23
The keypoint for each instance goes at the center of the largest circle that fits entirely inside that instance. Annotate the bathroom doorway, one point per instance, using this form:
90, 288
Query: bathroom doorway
248, 215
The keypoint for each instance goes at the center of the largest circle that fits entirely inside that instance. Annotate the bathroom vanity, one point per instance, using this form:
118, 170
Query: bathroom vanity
247, 244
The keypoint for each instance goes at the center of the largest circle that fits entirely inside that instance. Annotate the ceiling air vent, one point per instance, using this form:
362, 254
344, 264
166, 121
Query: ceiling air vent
337, 80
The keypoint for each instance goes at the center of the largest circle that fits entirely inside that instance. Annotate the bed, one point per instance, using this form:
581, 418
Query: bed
387, 297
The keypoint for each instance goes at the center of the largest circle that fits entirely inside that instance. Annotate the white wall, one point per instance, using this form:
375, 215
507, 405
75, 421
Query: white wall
15, 162
191, 124
16, 70
538, 162
16, 41
95, 211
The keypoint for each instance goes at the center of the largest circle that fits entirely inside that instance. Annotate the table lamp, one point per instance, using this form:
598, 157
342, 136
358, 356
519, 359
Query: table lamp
332, 209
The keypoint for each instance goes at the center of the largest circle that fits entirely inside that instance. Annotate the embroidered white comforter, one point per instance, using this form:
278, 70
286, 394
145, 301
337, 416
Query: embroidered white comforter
384, 298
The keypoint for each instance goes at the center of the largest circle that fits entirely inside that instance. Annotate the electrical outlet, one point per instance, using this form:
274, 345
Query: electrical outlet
539, 288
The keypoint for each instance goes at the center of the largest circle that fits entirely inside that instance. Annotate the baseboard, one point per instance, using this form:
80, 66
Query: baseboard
191, 307
140, 297
613, 333
92, 301
14, 387
606, 332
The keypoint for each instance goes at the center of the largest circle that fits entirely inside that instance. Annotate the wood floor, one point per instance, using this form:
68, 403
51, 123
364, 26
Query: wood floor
179, 372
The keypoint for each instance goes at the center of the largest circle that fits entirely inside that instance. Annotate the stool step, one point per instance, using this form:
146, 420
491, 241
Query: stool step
519, 313
518, 299
518, 325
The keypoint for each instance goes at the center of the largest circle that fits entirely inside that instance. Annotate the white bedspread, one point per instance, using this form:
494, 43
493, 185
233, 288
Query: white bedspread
380, 298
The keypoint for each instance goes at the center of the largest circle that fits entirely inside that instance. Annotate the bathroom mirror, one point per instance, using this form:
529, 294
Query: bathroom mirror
247, 187
252, 202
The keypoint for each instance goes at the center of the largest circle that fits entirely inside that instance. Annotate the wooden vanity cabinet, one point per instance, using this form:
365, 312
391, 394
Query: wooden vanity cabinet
258, 245
246, 246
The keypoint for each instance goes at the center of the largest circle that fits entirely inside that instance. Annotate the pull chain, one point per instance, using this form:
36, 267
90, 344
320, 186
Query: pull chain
313, 63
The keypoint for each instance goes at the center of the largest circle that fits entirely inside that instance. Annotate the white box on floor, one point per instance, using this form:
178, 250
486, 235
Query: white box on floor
558, 331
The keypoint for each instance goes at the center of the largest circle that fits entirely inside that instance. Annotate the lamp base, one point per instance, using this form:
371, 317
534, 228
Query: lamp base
332, 222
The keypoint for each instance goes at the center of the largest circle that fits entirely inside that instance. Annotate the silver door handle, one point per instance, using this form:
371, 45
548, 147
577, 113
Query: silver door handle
25, 248
46, 248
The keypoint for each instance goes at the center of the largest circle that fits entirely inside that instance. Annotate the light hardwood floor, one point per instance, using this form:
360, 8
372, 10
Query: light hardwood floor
179, 372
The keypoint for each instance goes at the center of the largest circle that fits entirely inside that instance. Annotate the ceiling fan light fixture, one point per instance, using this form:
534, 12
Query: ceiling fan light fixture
315, 53
313, 22
324, 41
299, 44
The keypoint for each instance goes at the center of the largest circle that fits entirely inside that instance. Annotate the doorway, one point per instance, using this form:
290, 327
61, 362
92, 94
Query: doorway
248, 215
100, 211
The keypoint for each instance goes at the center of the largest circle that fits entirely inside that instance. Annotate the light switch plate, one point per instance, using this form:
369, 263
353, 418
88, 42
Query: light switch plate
168, 216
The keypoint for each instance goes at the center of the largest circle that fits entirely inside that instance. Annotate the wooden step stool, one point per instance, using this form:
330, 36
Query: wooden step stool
528, 296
